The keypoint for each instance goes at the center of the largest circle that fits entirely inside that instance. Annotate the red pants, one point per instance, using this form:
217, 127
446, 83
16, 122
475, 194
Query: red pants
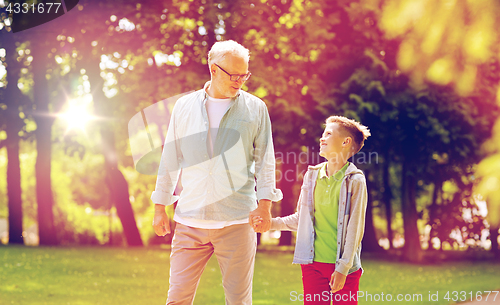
316, 281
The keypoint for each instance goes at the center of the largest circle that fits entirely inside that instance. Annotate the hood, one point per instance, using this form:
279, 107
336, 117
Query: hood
351, 169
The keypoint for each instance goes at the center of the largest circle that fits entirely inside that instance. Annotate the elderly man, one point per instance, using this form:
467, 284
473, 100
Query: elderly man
219, 143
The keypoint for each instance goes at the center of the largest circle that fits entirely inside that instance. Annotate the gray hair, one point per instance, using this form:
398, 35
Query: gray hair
221, 48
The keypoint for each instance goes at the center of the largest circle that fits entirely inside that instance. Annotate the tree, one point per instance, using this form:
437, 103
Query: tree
118, 185
416, 127
45, 199
13, 124
488, 172
451, 44
442, 43
370, 240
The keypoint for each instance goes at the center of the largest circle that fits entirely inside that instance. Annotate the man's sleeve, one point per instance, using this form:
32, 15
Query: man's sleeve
265, 164
169, 169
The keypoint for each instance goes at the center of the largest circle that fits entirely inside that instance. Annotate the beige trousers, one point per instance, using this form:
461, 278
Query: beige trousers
234, 246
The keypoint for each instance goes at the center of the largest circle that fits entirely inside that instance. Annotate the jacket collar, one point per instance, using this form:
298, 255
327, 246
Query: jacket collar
205, 94
351, 169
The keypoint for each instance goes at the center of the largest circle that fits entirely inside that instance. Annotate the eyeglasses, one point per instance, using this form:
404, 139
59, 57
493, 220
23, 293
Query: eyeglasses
236, 77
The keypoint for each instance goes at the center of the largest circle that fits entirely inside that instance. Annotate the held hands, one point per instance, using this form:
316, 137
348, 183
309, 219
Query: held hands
161, 224
260, 218
256, 222
337, 282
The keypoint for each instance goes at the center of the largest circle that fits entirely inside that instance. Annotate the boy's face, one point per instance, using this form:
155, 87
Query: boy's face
332, 142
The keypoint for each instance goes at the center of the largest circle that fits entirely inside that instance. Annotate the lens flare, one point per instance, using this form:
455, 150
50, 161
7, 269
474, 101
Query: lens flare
77, 116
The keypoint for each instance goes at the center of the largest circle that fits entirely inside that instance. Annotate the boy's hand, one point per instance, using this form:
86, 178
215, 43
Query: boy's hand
161, 224
264, 212
256, 220
337, 282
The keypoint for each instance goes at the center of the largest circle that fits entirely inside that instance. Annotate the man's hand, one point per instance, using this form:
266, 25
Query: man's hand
337, 282
264, 212
161, 224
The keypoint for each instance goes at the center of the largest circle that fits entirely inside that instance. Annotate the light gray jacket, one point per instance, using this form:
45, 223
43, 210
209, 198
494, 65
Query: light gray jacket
221, 187
350, 223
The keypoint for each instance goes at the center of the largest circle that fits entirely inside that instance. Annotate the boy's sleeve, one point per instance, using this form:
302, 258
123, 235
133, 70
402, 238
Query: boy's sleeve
291, 222
287, 223
356, 224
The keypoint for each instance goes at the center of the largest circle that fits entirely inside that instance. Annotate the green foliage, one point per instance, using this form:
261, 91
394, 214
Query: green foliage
449, 216
489, 172
80, 198
417, 125
443, 43
454, 44
437, 133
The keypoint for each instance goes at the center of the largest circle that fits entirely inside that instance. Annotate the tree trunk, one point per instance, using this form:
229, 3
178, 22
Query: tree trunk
370, 241
118, 186
412, 249
13, 125
387, 196
120, 196
14, 188
45, 200
211, 20
494, 241
433, 208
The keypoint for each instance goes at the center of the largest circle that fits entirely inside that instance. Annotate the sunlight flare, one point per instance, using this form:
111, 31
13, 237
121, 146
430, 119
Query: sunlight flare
77, 116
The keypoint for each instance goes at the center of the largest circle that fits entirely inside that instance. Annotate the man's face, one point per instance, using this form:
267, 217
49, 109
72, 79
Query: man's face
331, 142
223, 87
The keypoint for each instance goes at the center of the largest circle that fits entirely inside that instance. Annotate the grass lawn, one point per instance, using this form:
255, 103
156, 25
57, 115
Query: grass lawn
100, 275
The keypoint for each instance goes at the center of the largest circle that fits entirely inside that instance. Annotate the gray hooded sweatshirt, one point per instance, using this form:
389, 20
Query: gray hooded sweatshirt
350, 223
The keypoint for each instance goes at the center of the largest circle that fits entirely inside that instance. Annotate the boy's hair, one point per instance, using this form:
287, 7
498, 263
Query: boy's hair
221, 48
359, 133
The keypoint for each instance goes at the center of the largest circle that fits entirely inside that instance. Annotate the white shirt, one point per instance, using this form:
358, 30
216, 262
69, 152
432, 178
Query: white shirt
216, 108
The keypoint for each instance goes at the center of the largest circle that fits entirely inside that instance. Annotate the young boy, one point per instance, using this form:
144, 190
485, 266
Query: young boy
330, 220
